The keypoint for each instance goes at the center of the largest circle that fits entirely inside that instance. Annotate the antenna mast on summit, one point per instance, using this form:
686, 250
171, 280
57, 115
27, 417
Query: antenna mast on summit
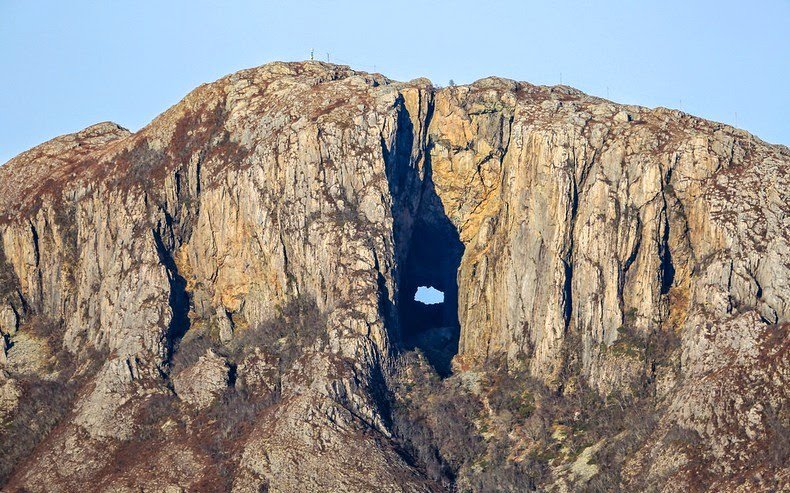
312, 54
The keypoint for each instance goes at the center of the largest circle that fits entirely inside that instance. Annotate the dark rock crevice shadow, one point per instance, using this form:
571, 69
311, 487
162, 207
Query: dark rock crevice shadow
428, 249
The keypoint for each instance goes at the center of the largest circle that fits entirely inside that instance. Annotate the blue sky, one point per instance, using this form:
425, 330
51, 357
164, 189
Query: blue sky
68, 64
429, 295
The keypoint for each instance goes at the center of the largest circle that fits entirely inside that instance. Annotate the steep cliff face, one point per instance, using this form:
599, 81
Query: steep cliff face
581, 217
223, 300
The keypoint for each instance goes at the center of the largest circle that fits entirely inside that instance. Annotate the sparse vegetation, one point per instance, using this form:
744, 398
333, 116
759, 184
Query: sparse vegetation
219, 429
8, 280
510, 435
42, 404
66, 219
43, 399
434, 419
190, 348
299, 326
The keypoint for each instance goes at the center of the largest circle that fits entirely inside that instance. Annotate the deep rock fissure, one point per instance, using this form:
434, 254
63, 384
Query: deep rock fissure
432, 260
429, 249
179, 296
667, 265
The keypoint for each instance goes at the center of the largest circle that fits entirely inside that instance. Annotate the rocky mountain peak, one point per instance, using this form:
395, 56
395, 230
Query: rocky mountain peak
224, 299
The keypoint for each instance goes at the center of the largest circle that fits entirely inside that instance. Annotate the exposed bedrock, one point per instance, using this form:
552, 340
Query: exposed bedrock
570, 236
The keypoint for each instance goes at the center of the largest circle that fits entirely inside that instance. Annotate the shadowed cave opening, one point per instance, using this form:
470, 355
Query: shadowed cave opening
429, 248
430, 273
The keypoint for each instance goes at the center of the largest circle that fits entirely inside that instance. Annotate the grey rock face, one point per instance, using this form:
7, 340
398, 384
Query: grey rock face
570, 230
200, 384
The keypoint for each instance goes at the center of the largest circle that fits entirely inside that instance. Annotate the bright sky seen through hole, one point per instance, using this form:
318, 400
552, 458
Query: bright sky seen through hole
68, 65
429, 295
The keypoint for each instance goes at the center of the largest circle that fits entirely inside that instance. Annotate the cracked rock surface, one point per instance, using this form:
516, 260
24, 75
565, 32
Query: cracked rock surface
215, 302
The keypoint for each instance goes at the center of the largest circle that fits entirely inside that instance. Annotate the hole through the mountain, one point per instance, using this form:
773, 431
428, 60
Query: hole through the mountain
429, 254
429, 313
428, 295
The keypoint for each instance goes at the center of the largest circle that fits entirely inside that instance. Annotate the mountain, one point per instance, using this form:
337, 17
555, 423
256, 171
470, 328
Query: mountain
223, 300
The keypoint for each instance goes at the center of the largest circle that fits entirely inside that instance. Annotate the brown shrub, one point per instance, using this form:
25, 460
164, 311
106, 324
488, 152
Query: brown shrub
299, 327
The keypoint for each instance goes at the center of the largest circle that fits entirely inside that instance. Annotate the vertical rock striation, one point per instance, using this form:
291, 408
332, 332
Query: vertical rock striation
166, 277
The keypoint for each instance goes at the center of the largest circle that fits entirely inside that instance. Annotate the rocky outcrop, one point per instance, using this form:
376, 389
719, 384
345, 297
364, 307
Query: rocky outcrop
202, 382
535, 179
638, 253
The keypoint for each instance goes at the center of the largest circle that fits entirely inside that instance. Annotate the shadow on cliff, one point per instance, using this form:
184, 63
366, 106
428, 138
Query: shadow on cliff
428, 250
179, 296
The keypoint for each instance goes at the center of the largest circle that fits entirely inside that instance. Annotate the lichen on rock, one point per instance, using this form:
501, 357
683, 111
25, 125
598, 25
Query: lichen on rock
616, 272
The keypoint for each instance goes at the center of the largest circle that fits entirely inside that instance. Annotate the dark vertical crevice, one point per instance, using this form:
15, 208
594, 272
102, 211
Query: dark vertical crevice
632, 256
186, 209
36, 252
667, 267
404, 184
197, 176
38, 303
428, 247
232, 374
403, 179
177, 177
567, 290
179, 296
433, 259
730, 299
130, 369
567, 262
